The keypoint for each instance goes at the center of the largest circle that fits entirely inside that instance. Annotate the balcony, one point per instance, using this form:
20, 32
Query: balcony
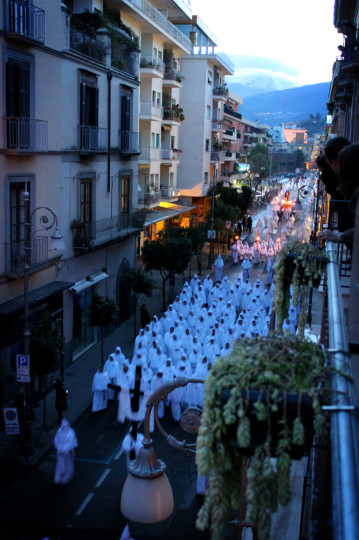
155, 17
169, 193
151, 198
25, 135
230, 135
151, 154
24, 21
221, 92
173, 115
231, 112
151, 67
150, 110
83, 43
217, 156
173, 76
229, 156
170, 154
92, 139
88, 236
218, 125
129, 142
16, 256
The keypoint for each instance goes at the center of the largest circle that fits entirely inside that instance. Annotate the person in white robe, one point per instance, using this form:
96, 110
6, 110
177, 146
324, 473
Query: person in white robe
166, 323
168, 339
194, 282
234, 253
131, 445
100, 390
155, 325
140, 338
65, 443
246, 265
126, 382
228, 346
179, 396
211, 350
218, 268
119, 356
263, 256
207, 284
229, 314
169, 371
194, 359
112, 369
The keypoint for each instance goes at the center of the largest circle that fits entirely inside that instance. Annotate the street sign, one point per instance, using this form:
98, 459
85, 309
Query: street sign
23, 368
11, 421
211, 235
228, 224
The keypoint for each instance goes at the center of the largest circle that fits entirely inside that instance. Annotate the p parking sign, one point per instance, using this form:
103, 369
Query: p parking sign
23, 367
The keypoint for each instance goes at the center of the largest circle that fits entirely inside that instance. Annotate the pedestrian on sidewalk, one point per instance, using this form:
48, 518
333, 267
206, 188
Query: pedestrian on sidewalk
65, 442
61, 403
218, 268
145, 316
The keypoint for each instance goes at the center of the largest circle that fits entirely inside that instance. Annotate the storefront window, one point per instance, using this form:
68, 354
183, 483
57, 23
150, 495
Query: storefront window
83, 334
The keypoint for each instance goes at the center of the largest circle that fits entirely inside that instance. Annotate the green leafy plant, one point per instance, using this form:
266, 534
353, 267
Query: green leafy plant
102, 312
306, 262
271, 369
139, 283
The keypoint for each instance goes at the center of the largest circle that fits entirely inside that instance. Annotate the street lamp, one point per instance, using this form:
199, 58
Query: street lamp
147, 494
56, 243
211, 246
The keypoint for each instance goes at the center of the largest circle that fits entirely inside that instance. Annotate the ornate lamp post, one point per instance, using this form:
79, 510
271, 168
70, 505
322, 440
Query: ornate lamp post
56, 243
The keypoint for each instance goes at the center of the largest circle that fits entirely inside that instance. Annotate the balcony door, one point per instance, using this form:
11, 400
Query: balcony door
17, 104
17, 224
125, 119
125, 204
89, 116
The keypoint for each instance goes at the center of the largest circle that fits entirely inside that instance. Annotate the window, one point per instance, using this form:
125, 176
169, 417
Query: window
88, 114
160, 55
208, 111
155, 52
17, 217
155, 140
172, 142
210, 77
171, 178
206, 177
153, 96
126, 118
207, 145
86, 200
158, 98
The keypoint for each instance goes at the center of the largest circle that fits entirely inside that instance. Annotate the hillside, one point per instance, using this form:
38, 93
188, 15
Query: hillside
293, 104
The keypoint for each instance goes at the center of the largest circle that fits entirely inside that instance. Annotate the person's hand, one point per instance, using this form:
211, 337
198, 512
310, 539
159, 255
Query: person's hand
331, 236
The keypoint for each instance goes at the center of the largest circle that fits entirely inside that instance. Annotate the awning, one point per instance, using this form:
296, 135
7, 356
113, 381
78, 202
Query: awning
167, 211
36, 297
88, 281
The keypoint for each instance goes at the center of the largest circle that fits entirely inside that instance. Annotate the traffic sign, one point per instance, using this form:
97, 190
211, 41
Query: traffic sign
11, 421
228, 224
23, 367
211, 235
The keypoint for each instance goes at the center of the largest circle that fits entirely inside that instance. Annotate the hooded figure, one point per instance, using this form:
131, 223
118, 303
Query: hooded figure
65, 442
246, 266
132, 444
124, 399
112, 369
218, 268
100, 390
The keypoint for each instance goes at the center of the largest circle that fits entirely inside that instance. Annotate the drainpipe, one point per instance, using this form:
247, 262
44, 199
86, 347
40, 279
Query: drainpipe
109, 78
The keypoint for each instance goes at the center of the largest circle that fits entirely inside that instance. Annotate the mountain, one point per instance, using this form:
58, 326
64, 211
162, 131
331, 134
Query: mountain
289, 105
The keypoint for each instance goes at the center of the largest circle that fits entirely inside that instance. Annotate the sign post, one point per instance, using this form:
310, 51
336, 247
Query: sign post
23, 368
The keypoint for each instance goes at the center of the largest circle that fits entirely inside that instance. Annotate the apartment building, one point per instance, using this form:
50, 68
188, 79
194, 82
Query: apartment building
70, 141
203, 95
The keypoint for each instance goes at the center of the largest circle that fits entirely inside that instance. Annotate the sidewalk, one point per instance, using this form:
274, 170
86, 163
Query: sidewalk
78, 377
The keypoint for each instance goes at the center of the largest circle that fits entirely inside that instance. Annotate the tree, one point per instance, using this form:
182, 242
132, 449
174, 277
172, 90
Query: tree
259, 160
139, 283
300, 159
196, 235
169, 256
46, 348
102, 312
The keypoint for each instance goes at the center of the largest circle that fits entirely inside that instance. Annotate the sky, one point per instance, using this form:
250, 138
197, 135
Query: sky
299, 36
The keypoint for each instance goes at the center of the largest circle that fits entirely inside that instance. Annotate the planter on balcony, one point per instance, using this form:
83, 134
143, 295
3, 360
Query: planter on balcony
263, 400
300, 265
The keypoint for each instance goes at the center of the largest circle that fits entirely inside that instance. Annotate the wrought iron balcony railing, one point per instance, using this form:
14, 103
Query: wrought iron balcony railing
24, 20
130, 142
92, 139
150, 198
16, 255
89, 235
25, 134
88, 45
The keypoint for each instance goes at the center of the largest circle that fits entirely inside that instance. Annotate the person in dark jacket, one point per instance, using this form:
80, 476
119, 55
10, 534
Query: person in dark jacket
145, 316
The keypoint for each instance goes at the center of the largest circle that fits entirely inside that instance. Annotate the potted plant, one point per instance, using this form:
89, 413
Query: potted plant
263, 400
298, 267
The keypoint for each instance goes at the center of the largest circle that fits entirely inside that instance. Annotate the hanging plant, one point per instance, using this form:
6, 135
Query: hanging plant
263, 400
300, 265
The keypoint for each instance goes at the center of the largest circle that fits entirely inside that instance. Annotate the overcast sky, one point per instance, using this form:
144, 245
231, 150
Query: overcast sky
300, 35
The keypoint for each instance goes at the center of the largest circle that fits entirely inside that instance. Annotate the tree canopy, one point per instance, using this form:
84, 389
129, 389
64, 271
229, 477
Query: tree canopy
259, 160
102, 312
46, 345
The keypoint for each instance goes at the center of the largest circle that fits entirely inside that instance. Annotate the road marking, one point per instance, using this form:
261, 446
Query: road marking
118, 455
84, 504
102, 477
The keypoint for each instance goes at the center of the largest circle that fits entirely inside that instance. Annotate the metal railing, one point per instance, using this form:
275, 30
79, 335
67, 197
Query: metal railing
161, 20
149, 198
25, 134
89, 235
217, 124
88, 45
149, 108
92, 139
220, 91
25, 20
152, 62
170, 153
231, 112
169, 192
129, 142
16, 255
344, 423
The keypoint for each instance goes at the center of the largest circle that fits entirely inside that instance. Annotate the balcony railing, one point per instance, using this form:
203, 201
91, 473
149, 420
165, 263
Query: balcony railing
170, 153
229, 110
88, 45
130, 142
157, 17
92, 139
152, 62
148, 108
150, 198
16, 255
149, 154
89, 235
169, 192
173, 115
25, 20
220, 91
217, 124
25, 134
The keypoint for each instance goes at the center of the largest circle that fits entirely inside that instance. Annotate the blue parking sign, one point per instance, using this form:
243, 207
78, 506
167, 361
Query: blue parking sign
23, 367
